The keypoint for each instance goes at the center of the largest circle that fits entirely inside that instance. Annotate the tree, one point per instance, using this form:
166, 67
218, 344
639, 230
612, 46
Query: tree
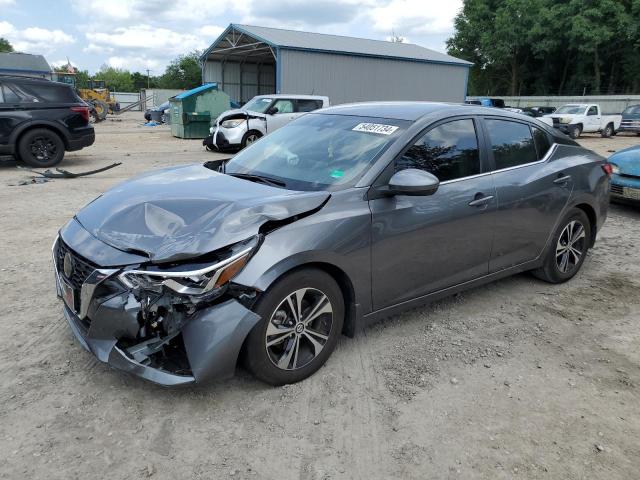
5, 46
183, 72
549, 46
115, 79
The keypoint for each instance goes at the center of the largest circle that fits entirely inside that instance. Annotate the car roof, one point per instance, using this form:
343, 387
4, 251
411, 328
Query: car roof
294, 96
20, 78
413, 111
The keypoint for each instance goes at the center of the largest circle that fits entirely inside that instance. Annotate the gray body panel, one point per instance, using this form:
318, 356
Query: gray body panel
387, 253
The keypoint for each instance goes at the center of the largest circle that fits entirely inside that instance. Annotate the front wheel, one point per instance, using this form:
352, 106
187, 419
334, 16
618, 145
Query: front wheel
250, 137
568, 248
575, 132
302, 316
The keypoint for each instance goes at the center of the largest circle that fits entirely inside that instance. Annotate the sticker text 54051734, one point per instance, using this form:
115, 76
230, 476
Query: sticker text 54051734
375, 128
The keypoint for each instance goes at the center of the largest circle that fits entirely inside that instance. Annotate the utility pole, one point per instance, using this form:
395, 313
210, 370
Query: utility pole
148, 71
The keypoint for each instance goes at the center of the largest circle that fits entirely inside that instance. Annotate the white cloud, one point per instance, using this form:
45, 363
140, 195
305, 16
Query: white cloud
7, 3
160, 41
415, 17
136, 63
35, 39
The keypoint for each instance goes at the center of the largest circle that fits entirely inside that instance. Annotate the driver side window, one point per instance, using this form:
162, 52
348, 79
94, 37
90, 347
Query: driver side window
283, 106
448, 151
592, 111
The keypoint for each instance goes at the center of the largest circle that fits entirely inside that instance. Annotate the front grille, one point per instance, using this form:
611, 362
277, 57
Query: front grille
616, 189
81, 267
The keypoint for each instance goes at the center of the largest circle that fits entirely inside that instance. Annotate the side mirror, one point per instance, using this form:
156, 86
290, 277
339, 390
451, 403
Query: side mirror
413, 182
272, 110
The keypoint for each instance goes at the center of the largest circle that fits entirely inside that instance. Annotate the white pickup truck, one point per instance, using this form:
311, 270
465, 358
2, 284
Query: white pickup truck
577, 118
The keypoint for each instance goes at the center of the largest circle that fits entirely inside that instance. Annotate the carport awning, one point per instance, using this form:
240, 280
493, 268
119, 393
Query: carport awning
238, 46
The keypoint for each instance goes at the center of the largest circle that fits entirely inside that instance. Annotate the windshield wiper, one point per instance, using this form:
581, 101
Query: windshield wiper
259, 178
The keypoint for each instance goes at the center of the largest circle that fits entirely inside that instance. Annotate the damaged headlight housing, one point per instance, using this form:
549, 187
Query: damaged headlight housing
196, 282
232, 123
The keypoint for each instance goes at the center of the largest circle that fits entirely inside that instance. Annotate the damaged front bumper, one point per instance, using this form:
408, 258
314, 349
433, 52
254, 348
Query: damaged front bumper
108, 320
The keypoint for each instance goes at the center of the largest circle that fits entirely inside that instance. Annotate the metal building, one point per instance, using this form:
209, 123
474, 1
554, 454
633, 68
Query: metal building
24, 65
248, 60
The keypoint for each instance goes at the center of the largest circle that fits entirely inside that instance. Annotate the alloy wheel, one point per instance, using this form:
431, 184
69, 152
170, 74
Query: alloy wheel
299, 328
570, 246
43, 148
251, 138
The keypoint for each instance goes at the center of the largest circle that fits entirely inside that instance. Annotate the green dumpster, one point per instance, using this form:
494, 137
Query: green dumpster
192, 111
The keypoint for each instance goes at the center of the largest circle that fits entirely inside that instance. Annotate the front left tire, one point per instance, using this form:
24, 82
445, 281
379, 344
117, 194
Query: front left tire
302, 317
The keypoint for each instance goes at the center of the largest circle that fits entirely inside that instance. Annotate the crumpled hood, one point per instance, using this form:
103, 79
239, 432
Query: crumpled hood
238, 112
628, 160
183, 212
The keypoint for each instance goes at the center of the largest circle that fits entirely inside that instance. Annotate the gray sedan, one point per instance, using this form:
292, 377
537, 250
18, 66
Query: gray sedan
342, 217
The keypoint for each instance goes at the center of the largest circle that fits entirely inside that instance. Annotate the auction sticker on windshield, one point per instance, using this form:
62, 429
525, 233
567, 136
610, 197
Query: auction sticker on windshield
375, 128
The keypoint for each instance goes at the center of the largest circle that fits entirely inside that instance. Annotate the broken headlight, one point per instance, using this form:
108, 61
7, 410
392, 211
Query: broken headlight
232, 123
197, 281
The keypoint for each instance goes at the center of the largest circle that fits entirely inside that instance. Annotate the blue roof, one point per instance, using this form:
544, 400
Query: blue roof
201, 88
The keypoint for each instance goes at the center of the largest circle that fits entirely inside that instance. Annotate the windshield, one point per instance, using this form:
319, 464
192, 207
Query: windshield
258, 105
318, 151
632, 110
571, 109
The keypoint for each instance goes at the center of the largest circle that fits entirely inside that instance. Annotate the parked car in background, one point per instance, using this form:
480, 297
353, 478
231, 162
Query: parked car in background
159, 113
631, 119
41, 119
259, 116
625, 178
536, 112
486, 102
577, 118
341, 217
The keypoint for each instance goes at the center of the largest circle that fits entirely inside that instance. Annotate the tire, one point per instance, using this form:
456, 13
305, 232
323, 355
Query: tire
250, 137
281, 350
575, 132
607, 131
101, 109
41, 148
552, 269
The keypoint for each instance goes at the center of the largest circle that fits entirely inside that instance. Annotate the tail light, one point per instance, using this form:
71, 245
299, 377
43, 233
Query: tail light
84, 111
608, 169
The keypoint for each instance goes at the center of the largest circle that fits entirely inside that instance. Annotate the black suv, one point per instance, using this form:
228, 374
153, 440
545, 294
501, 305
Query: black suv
40, 119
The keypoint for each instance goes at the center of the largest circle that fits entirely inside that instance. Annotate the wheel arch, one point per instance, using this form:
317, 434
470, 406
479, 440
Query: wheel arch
352, 309
593, 220
21, 132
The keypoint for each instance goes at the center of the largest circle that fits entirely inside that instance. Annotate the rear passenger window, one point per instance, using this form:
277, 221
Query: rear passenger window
541, 140
50, 92
448, 151
9, 95
308, 105
511, 143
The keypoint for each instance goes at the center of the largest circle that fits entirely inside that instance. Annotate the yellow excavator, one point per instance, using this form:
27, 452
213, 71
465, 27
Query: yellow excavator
96, 95
99, 98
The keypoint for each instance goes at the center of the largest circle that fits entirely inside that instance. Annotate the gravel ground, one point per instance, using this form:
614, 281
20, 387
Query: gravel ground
517, 379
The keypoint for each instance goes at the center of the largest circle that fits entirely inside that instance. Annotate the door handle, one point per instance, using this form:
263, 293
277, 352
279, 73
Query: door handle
562, 180
479, 202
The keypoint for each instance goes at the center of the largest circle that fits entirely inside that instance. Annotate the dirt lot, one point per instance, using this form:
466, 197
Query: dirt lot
517, 379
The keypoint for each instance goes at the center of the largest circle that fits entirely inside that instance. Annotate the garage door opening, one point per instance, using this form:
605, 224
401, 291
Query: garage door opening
242, 65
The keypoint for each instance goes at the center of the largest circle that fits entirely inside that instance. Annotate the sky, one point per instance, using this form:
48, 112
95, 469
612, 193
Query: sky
147, 34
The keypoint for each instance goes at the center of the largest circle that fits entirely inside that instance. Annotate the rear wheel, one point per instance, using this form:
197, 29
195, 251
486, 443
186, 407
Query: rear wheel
41, 147
568, 248
575, 132
607, 131
302, 316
